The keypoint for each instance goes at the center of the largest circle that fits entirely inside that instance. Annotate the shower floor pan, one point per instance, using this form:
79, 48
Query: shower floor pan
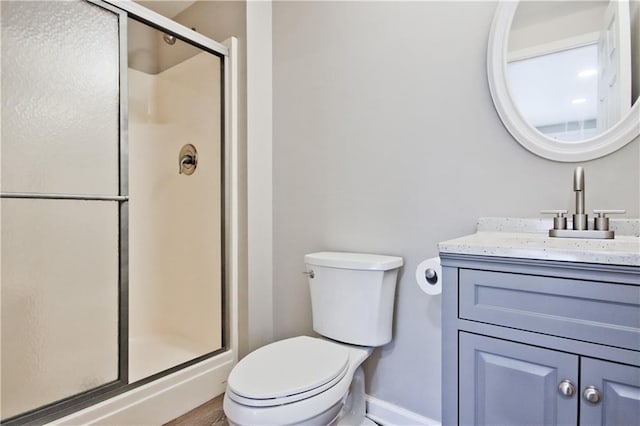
149, 355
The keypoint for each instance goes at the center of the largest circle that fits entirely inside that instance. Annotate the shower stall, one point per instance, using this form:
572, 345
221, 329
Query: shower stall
116, 203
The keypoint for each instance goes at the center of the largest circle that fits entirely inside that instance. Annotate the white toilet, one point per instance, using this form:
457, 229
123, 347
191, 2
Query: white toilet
317, 381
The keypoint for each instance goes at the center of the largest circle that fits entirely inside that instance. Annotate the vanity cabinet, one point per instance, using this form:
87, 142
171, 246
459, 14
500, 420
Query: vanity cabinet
531, 341
619, 385
507, 383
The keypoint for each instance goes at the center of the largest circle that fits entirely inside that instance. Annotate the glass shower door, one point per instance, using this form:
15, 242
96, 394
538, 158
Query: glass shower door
62, 196
104, 290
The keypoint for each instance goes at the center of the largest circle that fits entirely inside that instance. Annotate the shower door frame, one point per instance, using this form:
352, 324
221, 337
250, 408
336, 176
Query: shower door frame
228, 353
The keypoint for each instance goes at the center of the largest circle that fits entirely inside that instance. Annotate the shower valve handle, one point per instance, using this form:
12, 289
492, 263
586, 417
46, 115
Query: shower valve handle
187, 160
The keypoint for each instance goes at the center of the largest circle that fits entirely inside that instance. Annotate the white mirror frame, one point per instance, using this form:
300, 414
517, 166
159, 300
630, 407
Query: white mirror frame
613, 139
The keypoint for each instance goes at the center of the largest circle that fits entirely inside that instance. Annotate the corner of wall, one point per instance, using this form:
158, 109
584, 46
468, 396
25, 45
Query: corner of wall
259, 173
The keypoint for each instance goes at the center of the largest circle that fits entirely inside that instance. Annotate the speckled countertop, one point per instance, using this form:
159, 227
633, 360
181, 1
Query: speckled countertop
528, 238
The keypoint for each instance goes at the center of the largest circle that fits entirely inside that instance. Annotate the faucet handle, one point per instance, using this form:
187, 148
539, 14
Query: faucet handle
557, 212
602, 212
560, 221
601, 221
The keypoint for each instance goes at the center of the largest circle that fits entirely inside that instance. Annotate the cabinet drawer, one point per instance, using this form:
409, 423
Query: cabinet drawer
598, 312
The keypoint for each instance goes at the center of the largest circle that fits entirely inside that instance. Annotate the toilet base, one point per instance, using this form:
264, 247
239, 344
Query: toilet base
354, 409
368, 422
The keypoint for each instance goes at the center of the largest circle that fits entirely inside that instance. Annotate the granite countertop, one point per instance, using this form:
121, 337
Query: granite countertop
528, 238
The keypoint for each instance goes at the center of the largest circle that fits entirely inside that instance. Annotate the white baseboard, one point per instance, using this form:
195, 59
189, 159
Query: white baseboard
162, 400
387, 414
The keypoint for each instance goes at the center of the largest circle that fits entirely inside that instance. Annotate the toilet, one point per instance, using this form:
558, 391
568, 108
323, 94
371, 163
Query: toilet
319, 381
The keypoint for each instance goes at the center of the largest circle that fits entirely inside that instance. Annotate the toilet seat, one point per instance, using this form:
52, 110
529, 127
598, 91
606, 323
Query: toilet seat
319, 409
288, 371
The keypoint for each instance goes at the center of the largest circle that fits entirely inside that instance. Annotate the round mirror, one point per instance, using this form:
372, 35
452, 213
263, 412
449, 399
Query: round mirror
565, 75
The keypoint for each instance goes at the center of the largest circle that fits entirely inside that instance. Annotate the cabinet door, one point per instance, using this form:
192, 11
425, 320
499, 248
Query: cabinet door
618, 387
506, 383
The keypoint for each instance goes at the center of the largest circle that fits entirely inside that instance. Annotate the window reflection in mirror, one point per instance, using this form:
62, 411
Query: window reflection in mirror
574, 66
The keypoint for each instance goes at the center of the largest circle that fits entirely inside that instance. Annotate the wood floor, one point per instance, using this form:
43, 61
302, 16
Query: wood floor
208, 414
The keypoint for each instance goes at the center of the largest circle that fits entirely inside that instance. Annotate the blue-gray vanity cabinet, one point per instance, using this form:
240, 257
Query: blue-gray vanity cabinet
507, 383
514, 330
619, 386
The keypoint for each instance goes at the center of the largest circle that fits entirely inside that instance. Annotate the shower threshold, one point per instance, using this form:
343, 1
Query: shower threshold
149, 355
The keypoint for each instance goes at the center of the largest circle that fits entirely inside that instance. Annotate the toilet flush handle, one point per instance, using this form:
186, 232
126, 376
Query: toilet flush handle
310, 273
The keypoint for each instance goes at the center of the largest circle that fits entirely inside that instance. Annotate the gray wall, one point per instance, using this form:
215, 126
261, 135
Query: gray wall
386, 141
635, 48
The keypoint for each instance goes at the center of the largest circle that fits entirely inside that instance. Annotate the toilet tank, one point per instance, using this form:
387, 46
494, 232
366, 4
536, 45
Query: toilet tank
352, 296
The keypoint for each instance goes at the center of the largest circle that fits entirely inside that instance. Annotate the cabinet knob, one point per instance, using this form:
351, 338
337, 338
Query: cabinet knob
592, 394
566, 388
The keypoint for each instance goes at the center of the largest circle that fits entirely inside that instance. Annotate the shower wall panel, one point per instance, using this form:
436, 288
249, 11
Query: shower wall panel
175, 219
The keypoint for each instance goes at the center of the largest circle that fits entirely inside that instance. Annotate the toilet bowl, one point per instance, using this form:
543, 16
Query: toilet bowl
302, 380
319, 381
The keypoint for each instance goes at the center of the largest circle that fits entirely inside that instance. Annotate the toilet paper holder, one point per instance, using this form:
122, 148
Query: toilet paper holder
431, 276
428, 274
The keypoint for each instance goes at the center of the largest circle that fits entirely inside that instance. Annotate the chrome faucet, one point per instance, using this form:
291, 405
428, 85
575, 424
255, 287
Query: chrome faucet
580, 219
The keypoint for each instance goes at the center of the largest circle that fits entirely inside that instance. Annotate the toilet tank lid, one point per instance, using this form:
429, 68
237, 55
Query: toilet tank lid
360, 261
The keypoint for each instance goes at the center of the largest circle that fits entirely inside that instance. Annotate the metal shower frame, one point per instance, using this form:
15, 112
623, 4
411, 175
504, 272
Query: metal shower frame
125, 9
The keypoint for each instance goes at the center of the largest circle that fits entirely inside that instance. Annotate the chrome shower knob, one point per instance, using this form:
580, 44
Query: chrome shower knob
187, 159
